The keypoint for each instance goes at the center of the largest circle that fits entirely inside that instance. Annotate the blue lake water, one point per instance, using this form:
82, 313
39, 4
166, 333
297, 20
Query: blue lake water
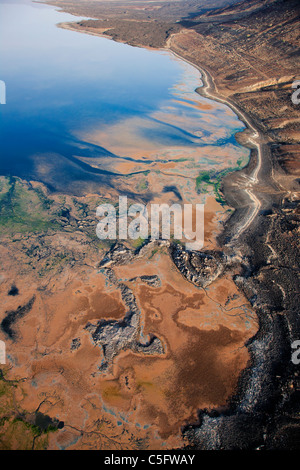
62, 86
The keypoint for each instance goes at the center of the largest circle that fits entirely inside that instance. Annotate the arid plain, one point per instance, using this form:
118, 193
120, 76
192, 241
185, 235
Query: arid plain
211, 335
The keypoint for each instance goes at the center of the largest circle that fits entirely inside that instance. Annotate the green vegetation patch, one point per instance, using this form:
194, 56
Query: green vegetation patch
207, 180
20, 430
23, 208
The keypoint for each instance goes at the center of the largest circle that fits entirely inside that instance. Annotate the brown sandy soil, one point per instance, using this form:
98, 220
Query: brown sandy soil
203, 330
204, 346
204, 333
147, 398
250, 52
150, 397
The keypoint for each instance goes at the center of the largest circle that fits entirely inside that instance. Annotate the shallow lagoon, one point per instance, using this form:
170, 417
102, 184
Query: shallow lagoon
81, 108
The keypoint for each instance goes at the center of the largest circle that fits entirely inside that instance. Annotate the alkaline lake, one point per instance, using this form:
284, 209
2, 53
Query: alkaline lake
81, 110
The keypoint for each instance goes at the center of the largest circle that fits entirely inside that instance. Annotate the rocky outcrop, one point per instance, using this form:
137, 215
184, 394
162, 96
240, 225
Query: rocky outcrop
76, 343
118, 254
201, 268
114, 336
152, 281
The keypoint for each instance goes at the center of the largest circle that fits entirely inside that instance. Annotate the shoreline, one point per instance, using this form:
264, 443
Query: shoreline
270, 371
269, 347
204, 90
209, 90
243, 232
251, 174
258, 387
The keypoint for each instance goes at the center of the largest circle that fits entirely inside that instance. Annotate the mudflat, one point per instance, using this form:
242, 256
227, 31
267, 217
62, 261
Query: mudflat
211, 348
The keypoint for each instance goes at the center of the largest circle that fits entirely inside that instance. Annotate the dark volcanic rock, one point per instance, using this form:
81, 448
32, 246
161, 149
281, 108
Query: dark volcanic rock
115, 336
152, 281
14, 315
13, 291
118, 254
76, 343
263, 413
201, 268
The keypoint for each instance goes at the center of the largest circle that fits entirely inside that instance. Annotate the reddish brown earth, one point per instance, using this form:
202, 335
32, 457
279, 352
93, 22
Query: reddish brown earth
145, 397
250, 54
